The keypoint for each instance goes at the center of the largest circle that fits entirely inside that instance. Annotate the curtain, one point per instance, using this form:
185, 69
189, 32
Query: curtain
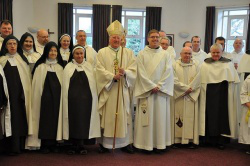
153, 19
65, 18
101, 21
116, 13
209, 31
6, 10
248, 32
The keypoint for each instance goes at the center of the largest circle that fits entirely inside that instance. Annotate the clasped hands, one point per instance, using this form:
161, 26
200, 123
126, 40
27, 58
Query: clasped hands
120, 74
188, 91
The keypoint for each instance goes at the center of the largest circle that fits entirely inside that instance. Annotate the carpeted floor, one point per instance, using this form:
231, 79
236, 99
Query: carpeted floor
233, 155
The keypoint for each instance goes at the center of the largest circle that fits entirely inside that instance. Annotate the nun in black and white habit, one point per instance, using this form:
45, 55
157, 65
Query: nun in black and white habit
65, 44
80, 117
18, 122
46, 100
27, 43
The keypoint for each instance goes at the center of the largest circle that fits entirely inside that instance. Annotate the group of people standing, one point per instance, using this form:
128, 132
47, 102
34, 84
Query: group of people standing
53, 93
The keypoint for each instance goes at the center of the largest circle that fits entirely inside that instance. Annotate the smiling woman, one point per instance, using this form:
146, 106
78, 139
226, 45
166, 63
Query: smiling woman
29, 49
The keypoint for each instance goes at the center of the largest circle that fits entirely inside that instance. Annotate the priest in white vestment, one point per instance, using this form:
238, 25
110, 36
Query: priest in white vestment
42, 40
184, 109
115, 74
197, 52
237, 52
153, 88
90, 54
165, 44
218, 99
244, 136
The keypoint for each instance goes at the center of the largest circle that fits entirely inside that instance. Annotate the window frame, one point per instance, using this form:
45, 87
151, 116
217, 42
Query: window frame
219, 31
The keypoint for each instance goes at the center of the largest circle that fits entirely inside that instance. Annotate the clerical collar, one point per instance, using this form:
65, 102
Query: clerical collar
11, 55
28, 52
62, 50
222, 59
51, 61
114, 49
154, 48
197, 51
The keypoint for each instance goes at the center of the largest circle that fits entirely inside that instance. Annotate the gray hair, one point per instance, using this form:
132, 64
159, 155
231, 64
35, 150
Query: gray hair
216, 46
166, 38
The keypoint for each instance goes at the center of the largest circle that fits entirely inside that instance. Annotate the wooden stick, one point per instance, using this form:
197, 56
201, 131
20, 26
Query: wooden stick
117, 102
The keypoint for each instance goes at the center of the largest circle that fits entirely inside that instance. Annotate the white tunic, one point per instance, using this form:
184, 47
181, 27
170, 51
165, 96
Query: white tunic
152, 119
39, 47
184, 108
200, 55
244, 136
237, 56
171, 52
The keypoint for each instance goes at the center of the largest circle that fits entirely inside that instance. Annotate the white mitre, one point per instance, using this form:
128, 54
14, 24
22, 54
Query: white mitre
115, 28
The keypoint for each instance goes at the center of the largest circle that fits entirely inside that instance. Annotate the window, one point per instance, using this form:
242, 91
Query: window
134, 20
232, 24
82, 20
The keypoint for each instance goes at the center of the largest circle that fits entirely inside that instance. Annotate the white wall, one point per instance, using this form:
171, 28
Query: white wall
177, 15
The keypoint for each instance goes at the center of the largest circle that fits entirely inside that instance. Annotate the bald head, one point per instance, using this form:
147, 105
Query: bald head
42, 36
162, 33
238, 45
186, 54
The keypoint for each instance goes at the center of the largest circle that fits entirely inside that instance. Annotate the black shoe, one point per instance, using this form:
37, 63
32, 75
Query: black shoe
159, 151
175, 146
71, 152
221, 147
248, 152
147, 151
12, 154
55, 149
82, 151
192, 146
128, 149
102, 149
45, 150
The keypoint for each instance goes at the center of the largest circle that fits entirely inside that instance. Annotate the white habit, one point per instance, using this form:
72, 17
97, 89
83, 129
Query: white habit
184, 109
37, 91
152, 120
200, 56
244, 136
216, 72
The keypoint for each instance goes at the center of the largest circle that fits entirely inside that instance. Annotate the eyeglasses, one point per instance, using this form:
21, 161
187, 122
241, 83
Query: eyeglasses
44, 37
154, 37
